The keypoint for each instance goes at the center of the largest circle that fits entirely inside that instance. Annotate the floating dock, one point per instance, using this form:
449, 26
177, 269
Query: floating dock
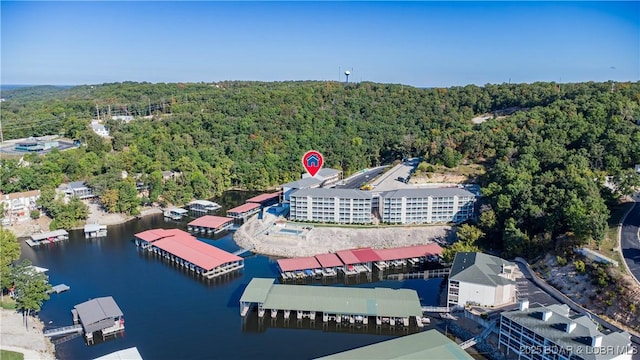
185, 250
266, 199
203, 206
210, 224
59, 288
175, 213
339, 304
357, 261
95, 231
48, 237
131, 353
243, 211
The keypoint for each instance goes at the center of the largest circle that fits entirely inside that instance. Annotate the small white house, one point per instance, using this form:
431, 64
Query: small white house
17, 206
482, 280
99, 129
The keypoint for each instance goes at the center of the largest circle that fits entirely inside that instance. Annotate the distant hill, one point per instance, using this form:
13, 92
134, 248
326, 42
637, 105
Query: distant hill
31, 92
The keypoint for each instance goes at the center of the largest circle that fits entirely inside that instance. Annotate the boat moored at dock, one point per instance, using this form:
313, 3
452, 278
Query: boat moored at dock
48, 237
175, 213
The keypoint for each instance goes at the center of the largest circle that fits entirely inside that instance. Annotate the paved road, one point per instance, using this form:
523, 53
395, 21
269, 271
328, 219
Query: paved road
356, 181
629, 241
560, 297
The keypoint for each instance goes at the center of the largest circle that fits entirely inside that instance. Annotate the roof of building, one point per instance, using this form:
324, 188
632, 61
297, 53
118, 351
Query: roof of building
156, 234
409, 252
301, 263
94, 227
19, 195
131, 353
180, 211
304, 183
435, 192
264, 197
50, 234
335, 300
211, 221
203, 203
329, 260
332, 193
479, 268
348, 257
366, 255
77, 185
324, 173
187, 247
424, 345
257, 290
244, 208
555, 329
97, 314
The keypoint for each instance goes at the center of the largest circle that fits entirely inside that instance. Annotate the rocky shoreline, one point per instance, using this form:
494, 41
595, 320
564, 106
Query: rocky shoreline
260, 236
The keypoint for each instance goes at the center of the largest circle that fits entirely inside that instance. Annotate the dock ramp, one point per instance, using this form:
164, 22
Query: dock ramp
63, 330
436, 309
242, 251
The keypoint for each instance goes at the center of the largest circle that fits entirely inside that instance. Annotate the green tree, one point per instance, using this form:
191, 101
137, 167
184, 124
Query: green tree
9, 252
110, 200
450, 252
30, 288
469, 234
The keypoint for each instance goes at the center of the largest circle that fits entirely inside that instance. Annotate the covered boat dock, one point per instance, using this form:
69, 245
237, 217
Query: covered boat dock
243, 211
48, 237
339, 304
95, 230
301, 267
210, 224
175, 213
203, 206
101, 314
185, 250
266, 199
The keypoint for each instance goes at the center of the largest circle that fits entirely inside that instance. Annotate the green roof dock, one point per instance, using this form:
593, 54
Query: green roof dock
424, 345
335, 303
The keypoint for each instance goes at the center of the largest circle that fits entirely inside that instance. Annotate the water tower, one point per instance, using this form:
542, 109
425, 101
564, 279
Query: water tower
347, 73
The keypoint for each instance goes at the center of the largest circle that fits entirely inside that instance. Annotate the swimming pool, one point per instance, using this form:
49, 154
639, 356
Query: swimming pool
290, 232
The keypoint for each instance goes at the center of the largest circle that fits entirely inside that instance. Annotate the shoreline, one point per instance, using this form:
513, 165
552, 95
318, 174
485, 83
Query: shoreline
29, 341
260, 236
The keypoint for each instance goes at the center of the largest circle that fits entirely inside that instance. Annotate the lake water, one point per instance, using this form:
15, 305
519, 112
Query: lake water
170, 314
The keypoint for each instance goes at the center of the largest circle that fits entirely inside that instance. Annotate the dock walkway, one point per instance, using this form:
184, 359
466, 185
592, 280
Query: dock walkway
63, 330
428, 274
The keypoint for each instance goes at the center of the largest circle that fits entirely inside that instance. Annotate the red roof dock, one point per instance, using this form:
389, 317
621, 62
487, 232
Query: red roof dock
329, 260
408, 252
265, 199
301, 263
210, 223
186, 250
243, 211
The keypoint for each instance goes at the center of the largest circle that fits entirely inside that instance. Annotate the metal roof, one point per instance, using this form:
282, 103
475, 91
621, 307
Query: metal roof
211, 221
555, 329
131, 353
77, 185
424, 345
93, 227
332, 193
97, 314
264, 197
422, 193
195, 251
301, 263
335, 300
156, 234
46, 235
329, 260
257, 290
479, 268
366, 255
409, 252
348, 257
304, 183
324, 173
244, 208
203, 203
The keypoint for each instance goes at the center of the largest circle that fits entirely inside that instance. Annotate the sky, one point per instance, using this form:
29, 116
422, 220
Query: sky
423, 44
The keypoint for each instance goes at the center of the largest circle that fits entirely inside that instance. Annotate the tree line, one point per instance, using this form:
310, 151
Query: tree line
546, 161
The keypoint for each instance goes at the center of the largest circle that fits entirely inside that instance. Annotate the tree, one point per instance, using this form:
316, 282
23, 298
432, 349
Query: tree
449, 253
1, 210
30, 288
109, 200
469, 234
9, 252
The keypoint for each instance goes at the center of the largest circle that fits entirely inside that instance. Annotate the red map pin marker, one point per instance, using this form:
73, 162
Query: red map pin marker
312, 162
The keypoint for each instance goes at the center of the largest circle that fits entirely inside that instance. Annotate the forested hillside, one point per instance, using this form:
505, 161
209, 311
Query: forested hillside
545, 162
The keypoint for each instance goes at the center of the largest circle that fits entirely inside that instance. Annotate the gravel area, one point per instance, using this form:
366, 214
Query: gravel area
28, 340
319, 240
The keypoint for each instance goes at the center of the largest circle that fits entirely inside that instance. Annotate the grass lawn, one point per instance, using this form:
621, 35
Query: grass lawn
610, 243
8, 303
11, 355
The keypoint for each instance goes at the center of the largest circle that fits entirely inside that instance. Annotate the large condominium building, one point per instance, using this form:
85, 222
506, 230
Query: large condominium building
549, 332
481, 279
425, 206
344, 206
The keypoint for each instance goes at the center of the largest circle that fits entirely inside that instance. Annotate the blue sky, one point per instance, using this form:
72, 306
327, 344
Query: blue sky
415, 43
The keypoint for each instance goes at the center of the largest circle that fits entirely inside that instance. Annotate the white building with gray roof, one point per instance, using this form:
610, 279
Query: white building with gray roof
481, 279
343, 206
426, 206
550, 332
